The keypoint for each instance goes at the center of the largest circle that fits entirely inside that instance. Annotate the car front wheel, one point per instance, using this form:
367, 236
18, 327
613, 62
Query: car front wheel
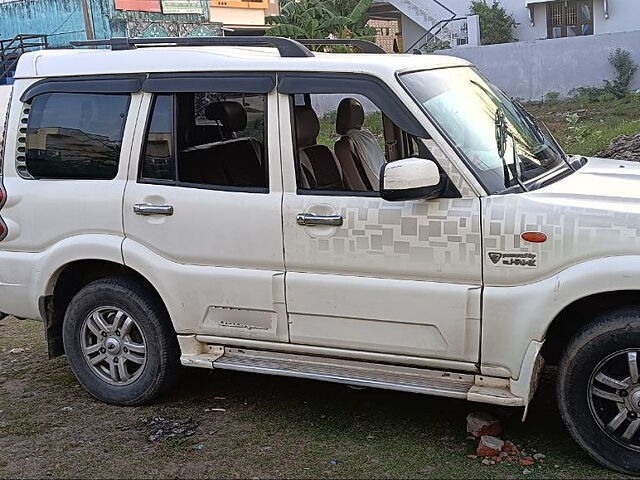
599, 389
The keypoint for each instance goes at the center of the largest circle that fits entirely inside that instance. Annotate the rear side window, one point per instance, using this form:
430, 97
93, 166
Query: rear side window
158, 156
75, 135
207, 140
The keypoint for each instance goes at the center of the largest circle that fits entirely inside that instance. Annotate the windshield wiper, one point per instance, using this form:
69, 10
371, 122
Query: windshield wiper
502, 135
534, 123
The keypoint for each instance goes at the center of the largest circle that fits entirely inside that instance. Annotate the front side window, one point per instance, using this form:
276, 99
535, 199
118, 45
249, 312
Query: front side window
343, 140
502, 143
75, 135
206, 139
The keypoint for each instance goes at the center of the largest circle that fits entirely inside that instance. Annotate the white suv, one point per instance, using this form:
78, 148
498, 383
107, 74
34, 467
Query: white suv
392, 221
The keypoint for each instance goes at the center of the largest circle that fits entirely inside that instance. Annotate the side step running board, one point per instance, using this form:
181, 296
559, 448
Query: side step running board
477, 388
349, 372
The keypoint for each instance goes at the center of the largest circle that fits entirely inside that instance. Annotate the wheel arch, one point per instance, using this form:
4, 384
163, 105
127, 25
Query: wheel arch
578, 313
68, 280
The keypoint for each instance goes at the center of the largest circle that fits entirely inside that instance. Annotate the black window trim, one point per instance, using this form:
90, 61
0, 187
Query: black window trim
335, 83
203, 186
124, 127
102, 84
218, 82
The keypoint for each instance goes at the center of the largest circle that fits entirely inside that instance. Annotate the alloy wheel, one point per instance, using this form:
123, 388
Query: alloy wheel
614, 397
113, 345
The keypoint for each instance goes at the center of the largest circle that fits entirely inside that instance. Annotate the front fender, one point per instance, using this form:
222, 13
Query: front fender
515, 316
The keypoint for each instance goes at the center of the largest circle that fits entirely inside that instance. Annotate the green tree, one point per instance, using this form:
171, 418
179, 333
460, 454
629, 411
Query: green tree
496, 25
322, 19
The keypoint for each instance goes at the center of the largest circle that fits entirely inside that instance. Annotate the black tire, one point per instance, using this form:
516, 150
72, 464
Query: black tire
615, 332
161, 366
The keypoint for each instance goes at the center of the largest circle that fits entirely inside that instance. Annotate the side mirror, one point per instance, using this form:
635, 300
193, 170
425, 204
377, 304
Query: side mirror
409, 179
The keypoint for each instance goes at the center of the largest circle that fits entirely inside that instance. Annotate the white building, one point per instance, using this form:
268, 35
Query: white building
537, 19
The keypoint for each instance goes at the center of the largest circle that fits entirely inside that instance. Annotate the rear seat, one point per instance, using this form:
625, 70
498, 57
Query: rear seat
232, 161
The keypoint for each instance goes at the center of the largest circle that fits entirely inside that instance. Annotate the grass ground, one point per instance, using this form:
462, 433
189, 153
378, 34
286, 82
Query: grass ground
270, 428
581, 127
586, 128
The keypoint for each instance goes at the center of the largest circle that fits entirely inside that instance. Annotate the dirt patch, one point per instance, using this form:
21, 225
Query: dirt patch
624, 147
252, 426
164, 428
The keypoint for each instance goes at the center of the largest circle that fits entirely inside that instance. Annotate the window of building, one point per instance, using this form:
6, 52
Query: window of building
75, 135
570, 18
207, 139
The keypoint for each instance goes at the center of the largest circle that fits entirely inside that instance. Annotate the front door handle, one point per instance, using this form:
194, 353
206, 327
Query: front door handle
151, 209
307, 219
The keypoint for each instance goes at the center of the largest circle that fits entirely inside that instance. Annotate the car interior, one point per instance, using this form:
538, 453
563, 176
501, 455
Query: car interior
219, 139
353, 164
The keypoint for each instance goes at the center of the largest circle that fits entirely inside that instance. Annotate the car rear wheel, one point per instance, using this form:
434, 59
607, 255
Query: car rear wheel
119, 342
599, 389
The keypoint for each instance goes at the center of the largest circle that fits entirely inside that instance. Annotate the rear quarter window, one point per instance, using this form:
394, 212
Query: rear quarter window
75, 135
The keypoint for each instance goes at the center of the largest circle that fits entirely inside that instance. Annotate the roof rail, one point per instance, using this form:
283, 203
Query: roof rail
363, 45
286, 46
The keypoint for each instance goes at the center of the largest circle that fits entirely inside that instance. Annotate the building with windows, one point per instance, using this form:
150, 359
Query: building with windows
422, 22
67, 20
243, 17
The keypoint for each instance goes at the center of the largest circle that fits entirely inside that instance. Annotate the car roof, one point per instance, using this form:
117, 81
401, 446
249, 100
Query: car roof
80, 61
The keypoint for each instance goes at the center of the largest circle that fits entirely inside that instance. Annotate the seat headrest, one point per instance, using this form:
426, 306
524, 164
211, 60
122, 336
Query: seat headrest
350, 116
232, 115
307, 126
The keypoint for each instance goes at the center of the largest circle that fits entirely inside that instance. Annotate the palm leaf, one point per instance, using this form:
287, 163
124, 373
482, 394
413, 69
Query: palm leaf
287, 30
359, 15
335, 23
275, 19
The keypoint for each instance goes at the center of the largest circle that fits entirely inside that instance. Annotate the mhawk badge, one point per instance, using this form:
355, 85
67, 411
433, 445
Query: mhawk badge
522, 260
495, 256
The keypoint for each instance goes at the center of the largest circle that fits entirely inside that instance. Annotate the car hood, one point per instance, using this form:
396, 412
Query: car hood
599, 180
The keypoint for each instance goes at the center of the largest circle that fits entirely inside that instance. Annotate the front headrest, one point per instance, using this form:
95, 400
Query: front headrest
307, 126
350, 116
232, 115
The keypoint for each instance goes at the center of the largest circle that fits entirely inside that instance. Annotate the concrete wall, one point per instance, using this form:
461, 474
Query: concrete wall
624, 16
529, 70
237, 16
60, 18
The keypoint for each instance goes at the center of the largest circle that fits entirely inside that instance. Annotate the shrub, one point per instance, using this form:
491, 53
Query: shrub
434, 45
625, 69
551, 97
496, 25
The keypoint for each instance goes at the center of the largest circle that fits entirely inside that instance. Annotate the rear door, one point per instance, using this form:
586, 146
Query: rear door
202, 205
389, 277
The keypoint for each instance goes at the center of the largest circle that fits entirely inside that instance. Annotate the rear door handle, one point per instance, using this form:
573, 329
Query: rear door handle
308, 219
151, 209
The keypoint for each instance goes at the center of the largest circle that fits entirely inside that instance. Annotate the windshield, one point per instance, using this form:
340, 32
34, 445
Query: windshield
503, 143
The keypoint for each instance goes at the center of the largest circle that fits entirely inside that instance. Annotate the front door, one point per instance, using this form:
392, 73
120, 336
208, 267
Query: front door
202, 206
375, 276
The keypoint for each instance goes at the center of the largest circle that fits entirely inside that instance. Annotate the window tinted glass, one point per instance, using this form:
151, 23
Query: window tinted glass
75, 136
503, 144
219, 140
158, 158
